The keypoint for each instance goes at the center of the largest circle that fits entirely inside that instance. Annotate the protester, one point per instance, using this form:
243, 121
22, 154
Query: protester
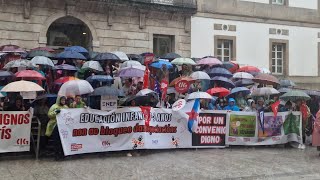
286, 107
18, 105
232, 105
128, 88
241, 101
78, 103
214, 105
316, 132
260, 104
251, 106
139, 87
186, 70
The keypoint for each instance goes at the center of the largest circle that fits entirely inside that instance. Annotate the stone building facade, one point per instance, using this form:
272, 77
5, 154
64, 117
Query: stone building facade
131, 26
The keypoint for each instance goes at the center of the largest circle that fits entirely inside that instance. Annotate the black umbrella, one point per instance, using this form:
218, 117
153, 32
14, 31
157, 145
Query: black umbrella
287, 83
136, 57
219, 71
107, 91
92, 55
244, 82
144, 100
107, 57
171, 56
6, 74
223, 82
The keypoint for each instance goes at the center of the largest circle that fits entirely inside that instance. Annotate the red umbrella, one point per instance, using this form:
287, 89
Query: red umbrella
63, 80
29, 75
44, 49
11, 49
189, 79
218, 91
266, 79
249, 69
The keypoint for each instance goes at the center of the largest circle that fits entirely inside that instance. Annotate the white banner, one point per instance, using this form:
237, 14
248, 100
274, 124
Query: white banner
108, 103
15, 129
245, 128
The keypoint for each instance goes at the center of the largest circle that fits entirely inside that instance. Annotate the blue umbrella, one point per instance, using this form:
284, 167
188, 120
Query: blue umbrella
99, 78
218, 71
78, 49
158, 64
223, 82
70, 55
236, 90
107, 57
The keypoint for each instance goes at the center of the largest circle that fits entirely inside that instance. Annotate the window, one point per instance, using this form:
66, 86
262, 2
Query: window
225, 47
163, 44
279, 2
277, 58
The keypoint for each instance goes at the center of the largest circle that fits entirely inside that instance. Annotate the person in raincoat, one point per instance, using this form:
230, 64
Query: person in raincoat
316, 132
251, 106
232, 106
78, 103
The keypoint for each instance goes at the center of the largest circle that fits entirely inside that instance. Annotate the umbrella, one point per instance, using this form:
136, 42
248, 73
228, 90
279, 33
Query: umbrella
312, 92
249, 69
65, 67
63, 80
225, 82
209, 61
287, 83
35, 53
139, 101
218, 71
19, 63
198, 95
189, 79
94, 65
92, 55
136, 57
144, 92
236, 90
78, 49
265, 70
200, 75
181, 61
75, 87
130, 63
264, 91
284, 90
133, 71
3, 54
244, 82
70, 55
266, 79
242, 75
121, 55
218, 91
29, 75
295, 95
6, 74
107, 91
107, 57
43, 49
158, 64
232, 66
42, 60
22, 86
11, 49
100, 78
171, 56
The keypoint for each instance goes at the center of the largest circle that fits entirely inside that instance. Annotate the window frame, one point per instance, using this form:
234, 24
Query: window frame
285, 56
285, 3
171, 37
233, 50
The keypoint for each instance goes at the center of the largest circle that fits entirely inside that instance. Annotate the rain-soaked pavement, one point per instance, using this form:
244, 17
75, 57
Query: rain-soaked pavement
231, 163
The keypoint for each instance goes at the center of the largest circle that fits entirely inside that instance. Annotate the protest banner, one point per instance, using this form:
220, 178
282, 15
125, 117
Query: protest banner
245, 128
108, 103
15, 129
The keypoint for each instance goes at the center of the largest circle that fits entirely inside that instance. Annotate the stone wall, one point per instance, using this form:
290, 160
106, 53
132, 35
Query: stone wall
112, 27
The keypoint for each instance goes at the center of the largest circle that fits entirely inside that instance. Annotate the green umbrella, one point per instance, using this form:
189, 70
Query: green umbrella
181, 61
295, 95
35, 53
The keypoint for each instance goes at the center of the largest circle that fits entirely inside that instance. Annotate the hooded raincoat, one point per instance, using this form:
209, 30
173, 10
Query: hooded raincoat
52, 116
232, 107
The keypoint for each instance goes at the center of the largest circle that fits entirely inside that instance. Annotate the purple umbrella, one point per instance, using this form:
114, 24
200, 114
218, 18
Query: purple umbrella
133, 71
219, 71
223, 82
11, 49
66, 67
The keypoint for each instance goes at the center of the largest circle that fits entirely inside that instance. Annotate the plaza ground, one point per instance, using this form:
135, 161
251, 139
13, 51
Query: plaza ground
230, 163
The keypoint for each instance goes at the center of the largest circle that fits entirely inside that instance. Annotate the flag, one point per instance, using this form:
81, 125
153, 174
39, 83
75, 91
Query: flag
261, 118
146, 78
275, 107
157, 87
193, 115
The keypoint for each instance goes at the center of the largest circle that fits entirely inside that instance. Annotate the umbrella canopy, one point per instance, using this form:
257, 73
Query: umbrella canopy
30, 75
237, 90
92, 55
189, 79
198, 95
100, 78
6, 74
42, 60
171, 56
43, 49
144, 92
287, 83
75, 87
11, 49
63, 80
223, 81
284, 90
133, 71
244, 82
158, 64
19, 63
121, 55
219, 71
94, 65
78, 49
181, 61
312, 92
232, 66
65, 67
136, 57
107, 57
22, 86
265, 91
249, 69
200, 75
209, 61
70, 55
242, 75
295, 95
218, 91
35, 53
130, 63
266, 79
107, 91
